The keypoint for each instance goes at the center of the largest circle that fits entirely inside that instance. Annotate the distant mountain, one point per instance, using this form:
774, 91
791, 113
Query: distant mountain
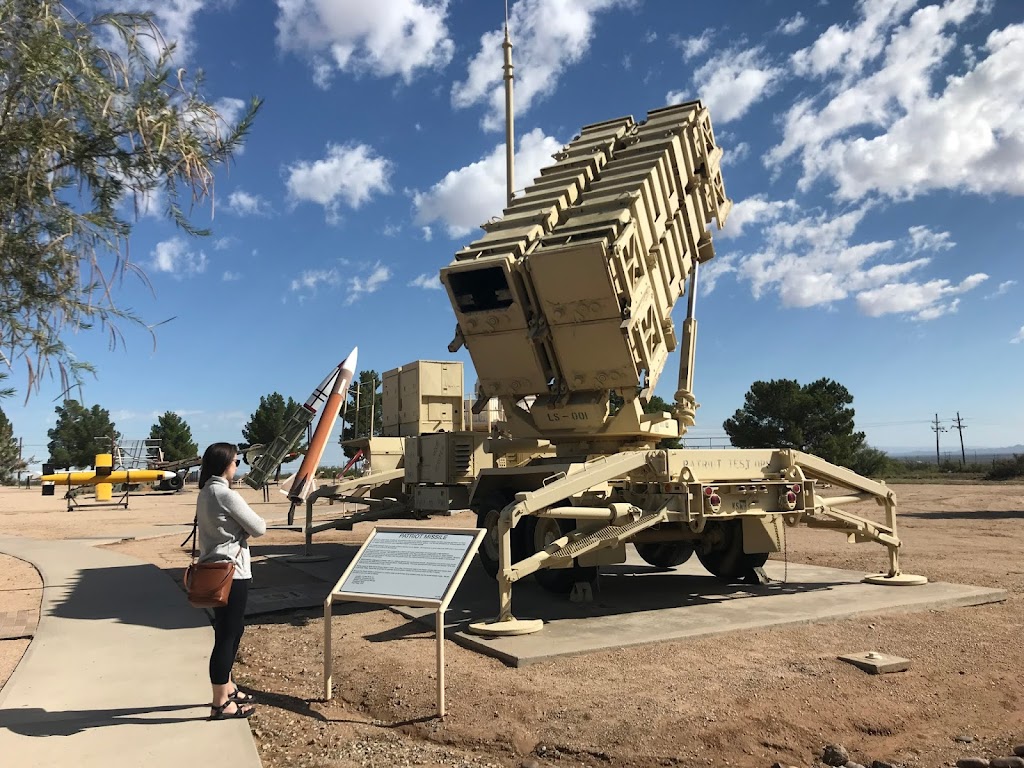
973, 452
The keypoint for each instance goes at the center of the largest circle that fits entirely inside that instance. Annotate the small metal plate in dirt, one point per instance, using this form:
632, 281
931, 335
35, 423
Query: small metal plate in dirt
877, 663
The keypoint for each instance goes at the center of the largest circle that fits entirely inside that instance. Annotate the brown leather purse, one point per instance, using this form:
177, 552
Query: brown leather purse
207, 584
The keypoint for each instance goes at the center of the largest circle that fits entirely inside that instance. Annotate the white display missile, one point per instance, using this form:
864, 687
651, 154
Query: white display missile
302, 483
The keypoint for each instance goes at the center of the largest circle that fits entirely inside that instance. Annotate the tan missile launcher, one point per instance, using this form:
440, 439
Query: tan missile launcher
567, 298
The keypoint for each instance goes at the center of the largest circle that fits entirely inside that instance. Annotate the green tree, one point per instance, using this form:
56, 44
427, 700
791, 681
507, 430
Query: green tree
269, 419
356, 422
814, 418
175, 437
10, 456
96, 121
79, 434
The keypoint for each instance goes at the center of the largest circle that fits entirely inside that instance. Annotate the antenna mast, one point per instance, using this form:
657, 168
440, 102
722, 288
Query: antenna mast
509, 135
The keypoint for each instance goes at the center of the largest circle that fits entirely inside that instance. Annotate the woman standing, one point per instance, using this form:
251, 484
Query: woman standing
225, 523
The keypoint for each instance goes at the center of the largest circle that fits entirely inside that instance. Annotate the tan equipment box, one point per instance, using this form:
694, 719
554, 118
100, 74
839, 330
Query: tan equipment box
441, 466
491, 413
423, 396
445, 458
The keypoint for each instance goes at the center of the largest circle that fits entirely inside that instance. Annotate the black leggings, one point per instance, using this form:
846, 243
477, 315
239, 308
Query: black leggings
228, 626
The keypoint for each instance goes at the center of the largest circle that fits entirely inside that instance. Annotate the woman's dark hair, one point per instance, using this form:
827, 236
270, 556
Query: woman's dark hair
216, 459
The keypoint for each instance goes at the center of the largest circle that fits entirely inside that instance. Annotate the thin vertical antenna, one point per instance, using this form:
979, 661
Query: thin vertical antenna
509, 133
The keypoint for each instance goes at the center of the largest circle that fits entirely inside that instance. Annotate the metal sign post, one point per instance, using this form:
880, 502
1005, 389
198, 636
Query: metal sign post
420, 567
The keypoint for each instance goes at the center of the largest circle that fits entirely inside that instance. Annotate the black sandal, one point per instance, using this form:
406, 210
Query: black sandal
240, 697
218, 713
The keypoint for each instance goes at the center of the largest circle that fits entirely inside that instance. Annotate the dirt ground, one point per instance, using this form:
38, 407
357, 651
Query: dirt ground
747, 701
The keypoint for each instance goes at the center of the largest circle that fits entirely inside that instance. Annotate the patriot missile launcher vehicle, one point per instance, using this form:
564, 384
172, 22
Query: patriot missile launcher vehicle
568, 299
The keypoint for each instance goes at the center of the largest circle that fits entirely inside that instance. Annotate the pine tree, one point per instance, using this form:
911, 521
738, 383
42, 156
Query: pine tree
269, 419
79, 434
357, 420
10, 458
175, 437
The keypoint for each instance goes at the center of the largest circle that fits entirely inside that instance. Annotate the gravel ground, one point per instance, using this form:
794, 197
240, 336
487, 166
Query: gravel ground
749, 700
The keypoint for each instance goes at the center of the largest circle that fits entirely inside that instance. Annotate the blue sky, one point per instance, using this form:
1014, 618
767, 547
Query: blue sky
874, 152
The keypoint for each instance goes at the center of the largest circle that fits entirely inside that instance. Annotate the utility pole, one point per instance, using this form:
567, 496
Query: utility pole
936, 428
960, 428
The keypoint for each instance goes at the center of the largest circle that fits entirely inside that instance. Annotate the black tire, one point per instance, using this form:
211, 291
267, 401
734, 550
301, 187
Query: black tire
665, 554
176, 483
720, 550
538, 532
487, 512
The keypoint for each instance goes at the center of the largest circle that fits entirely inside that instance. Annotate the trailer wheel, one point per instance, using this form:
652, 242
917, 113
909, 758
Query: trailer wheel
665, 554
487, 513
720, 550
538, 532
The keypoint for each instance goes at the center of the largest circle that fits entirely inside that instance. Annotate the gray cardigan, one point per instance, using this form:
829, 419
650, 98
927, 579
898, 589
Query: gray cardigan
225, 522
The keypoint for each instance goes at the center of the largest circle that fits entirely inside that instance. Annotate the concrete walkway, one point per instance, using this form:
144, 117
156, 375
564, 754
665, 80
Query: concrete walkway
116, 674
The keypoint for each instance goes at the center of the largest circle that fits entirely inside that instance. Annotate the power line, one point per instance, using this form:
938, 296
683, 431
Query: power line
960, 428
936, 429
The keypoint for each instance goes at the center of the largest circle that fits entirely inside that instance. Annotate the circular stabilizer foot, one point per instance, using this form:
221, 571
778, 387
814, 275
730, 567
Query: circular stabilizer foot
497, 628
900, 580
306, 558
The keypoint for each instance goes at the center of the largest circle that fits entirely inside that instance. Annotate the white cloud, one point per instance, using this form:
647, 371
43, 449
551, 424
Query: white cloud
793, 25
753, 211
230, 109
1019, 337
243, 203
357, 286
230, 277
549, 36
428, 282
712, 271
812, 261
175, 18
396, 37
923, 239
966, 136
223, 243
350, 173
692, 47
174, 257
466, 198
731, 82
311, 279
1003, 288
735, 154
848, 48
926, 301
428, 234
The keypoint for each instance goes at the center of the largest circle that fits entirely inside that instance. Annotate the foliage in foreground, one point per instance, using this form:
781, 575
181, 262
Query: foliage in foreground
95, 122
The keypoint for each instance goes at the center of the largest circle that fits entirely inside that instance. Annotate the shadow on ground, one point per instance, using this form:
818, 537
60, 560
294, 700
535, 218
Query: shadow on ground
130, 594
41, 722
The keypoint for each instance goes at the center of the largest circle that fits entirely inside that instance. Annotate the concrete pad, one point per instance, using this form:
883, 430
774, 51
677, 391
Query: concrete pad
877, 663
117, 671
637, 604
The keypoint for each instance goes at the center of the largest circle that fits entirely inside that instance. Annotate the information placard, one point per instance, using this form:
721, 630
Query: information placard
408, 564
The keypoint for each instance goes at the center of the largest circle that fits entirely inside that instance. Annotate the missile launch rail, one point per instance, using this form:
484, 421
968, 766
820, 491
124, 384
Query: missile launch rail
568, 298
